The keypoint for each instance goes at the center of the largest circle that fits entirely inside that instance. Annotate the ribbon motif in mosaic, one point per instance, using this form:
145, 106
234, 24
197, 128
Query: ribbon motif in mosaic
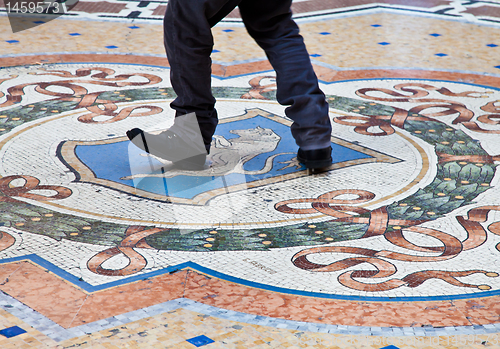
465, 170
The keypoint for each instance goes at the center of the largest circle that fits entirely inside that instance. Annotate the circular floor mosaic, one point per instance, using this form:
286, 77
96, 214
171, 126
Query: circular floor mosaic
408, 208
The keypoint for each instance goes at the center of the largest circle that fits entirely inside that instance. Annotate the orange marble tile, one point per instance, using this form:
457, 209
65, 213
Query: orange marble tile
27, 60
480, 311
69, 306
44, 292
410, 74
246, 68
7, 269
82, 58
130, 297
236, 297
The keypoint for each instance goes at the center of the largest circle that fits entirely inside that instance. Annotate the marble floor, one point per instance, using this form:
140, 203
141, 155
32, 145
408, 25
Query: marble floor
396, 245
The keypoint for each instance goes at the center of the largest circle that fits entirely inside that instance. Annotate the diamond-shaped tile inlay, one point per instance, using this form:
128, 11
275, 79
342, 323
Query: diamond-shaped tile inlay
200, 341
384, 43
441, 54
435, 35
12, 331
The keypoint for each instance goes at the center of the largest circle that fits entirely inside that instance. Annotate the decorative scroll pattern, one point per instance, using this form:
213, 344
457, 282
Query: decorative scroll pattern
490, 119
415, 93
8, 192
464, 169
377, 220
6, 79
109, 110
450, 247
79, 94
135, 238
6, 240
257, 89
324, 203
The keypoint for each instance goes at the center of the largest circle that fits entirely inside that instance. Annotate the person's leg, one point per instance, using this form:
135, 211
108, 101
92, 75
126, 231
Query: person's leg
189, 42
270, 23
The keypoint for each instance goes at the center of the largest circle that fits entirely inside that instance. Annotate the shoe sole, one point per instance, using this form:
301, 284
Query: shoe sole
195, 163
315, 164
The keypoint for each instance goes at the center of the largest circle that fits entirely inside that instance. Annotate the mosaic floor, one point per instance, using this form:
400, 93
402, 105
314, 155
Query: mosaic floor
396, 245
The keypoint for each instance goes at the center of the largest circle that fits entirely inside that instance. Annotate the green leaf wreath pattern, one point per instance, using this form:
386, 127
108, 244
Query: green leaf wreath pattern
458, 181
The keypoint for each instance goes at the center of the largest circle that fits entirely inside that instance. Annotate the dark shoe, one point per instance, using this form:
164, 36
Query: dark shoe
167, 145
316, 158
194, 163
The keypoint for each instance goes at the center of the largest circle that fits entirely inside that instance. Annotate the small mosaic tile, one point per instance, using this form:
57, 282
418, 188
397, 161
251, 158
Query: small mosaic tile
200, 341
12, 331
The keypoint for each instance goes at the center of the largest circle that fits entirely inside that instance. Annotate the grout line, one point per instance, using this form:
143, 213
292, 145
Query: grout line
7, 278
78, 311
185, 284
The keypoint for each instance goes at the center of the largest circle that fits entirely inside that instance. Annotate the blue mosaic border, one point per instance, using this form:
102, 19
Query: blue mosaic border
213, 273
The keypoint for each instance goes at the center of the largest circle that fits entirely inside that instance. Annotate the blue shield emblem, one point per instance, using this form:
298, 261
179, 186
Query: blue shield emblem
248, 151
